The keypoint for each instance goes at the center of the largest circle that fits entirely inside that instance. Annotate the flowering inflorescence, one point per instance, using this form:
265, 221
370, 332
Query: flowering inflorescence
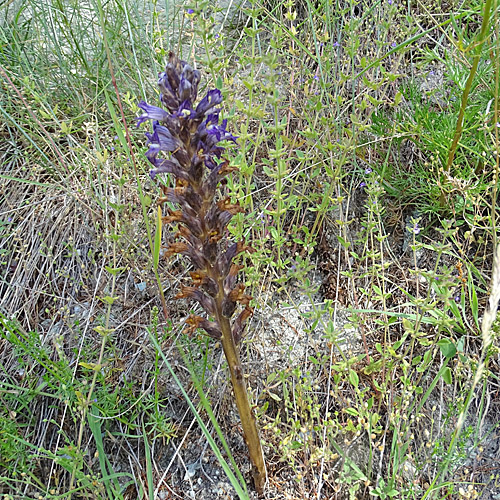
192, 135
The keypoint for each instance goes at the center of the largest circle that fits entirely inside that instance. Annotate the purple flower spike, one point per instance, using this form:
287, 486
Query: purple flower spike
218, 132
191, 134
185, 143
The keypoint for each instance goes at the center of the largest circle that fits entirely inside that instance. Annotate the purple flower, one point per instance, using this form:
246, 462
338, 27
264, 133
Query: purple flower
161, 140
336, 44
393, 44
151, 113
190, 11
415, 229
217, 132
213, 98
362, 185
368, 170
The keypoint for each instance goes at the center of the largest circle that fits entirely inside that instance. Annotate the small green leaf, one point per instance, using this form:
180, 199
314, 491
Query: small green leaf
109, 300
373, 367
447, 375
416, 360
274, 396
375, 102
114, 270
90, 366
408, 327
425, 363
103, 331
353, 378
351, 411
80, 397
343, 242
448, 348
473, 302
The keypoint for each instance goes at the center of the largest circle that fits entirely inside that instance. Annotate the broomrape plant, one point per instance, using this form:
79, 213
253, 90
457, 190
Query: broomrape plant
191, 136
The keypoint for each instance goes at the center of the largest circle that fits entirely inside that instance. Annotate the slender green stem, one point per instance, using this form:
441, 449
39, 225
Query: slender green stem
468, 84
496, 133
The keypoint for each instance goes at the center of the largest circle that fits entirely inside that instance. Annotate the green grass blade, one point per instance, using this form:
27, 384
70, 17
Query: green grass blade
109, 477
149, 465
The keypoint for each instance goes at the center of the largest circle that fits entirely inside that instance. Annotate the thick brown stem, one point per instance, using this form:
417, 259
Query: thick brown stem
248, 420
